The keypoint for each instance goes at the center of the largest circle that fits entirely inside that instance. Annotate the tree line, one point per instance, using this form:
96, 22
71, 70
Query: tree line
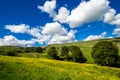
104, 53
15, 50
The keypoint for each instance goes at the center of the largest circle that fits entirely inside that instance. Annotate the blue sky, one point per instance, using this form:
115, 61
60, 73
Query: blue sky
43, 22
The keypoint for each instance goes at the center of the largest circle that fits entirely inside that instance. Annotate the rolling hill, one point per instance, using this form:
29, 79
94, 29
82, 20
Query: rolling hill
86, 46
19, 68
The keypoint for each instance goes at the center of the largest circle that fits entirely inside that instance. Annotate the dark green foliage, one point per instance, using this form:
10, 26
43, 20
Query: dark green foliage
105, 53
64, 51
77, 54
38, 49
52, 53
11, 53
118, 62
29, 49
10, 50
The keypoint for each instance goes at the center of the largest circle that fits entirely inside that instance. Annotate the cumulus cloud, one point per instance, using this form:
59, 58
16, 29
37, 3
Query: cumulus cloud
112, 18
116, 32
93, 37
62, 15
58, 39
58, 34
35, 32
49, 7
12, 40
22, 28
53, 28
87, 12
51, 33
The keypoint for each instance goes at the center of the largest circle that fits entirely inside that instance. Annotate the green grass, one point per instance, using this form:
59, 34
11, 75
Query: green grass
86, 46
19, 68
33, 55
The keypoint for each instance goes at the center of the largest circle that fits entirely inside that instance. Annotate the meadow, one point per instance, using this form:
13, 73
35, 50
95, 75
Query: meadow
36, 66
86, 46
19, 68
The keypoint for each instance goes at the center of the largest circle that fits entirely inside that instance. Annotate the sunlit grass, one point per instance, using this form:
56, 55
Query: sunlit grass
20, 68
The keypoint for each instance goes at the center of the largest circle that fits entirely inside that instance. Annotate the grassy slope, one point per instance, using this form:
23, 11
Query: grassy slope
86, 46
19, 68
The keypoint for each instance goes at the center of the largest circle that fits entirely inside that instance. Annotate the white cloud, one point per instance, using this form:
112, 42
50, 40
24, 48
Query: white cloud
49, 7
35, 32
22, 28
58, 39
58, 34
51, 33
112, 18
87, 12
53, 28
93, 37
62, 15
116, 32
11, 40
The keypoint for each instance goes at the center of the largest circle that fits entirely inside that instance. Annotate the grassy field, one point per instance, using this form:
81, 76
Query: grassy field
86, 46
19, 68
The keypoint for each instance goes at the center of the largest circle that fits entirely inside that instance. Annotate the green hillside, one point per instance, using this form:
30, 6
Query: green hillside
86, 46
19, 68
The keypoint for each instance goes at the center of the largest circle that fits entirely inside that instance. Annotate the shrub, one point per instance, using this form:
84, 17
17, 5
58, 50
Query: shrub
105, 53
11, 53
52, 53
118, 62
77, 54
64, 51
38, 49
29, 49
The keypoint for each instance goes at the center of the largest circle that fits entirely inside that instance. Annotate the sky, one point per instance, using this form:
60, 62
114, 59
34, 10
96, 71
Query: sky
43, 22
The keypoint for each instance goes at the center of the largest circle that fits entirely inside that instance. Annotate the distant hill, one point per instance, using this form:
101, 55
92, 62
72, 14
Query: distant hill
19, 68
86, 46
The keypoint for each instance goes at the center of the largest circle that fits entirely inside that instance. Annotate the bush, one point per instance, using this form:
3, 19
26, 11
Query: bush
38, 49
118, 62
64, 52
52, 53
8, 52
77, 54
29, 49
105, 53
11, 53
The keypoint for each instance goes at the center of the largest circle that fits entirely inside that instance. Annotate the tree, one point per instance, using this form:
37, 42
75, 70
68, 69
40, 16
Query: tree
64, 51
118, 61
77, 54
11, 53
105, 53
39, 49
52, 53
29, 49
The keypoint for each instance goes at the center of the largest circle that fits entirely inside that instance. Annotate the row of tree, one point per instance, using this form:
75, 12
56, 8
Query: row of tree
76, 54
104, 53
14, 50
